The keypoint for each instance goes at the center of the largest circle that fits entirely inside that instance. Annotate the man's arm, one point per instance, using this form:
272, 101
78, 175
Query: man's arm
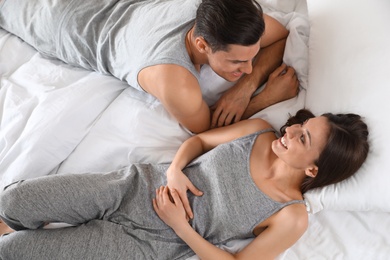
179, 92
268, 59
232, 105
282, 84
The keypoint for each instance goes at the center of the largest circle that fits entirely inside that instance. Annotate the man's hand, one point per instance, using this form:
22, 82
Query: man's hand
231, 106
282, 84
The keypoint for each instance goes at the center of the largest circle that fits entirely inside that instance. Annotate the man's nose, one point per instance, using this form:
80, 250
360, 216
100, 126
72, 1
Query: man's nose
247, 67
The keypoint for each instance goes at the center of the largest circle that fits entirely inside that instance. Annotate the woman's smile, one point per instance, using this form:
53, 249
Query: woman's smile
283, 142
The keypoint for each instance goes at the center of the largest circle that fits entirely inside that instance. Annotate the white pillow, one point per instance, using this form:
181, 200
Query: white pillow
349, 63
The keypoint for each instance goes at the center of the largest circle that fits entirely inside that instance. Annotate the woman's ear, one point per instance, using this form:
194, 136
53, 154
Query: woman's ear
311, 171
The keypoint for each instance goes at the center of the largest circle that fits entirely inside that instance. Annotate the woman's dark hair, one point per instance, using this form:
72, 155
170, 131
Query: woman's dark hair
224, 22
345, 151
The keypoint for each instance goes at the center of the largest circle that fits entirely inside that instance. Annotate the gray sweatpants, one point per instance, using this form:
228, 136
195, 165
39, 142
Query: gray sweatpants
98, 205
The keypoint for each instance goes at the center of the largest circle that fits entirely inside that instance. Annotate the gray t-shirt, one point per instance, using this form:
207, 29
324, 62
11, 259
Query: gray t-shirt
112, 37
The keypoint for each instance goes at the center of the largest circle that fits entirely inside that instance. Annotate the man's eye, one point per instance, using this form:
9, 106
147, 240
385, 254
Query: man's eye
303, 139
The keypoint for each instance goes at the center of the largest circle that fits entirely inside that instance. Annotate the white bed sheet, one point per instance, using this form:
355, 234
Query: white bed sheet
344, 235
57, 119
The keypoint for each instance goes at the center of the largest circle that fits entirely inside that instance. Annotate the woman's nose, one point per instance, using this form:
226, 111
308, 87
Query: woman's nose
291, 130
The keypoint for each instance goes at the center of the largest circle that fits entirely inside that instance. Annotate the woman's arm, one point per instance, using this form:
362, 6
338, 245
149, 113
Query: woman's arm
199, 144
284, 229
203, 142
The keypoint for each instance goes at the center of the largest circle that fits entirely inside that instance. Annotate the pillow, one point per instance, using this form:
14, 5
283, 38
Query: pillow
349, 62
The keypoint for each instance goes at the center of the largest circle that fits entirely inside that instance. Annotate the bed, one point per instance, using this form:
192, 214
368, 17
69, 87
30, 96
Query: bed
56, 119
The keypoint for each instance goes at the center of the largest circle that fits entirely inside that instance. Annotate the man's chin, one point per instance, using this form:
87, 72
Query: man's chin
229, 76
232, 78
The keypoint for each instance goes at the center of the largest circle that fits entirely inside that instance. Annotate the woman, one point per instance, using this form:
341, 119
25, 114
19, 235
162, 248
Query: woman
252, 184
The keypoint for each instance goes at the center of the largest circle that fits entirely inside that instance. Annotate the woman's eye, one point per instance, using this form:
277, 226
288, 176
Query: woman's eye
302, 139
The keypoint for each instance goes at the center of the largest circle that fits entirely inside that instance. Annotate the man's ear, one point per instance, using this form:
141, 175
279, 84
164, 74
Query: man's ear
201, 44
312, 171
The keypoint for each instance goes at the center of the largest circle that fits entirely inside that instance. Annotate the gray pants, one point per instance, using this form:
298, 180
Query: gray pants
98, 206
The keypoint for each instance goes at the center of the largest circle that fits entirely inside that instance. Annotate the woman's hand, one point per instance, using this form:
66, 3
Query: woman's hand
177, 180
169, 208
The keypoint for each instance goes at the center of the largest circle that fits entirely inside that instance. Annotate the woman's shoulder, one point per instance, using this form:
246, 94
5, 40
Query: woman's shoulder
259, 123
293, 217
256, 126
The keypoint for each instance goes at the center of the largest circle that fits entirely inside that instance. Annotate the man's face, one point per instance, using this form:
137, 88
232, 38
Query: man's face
232, 64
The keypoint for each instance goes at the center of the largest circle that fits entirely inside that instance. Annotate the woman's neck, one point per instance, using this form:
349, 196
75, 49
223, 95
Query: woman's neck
272, 176
286, 179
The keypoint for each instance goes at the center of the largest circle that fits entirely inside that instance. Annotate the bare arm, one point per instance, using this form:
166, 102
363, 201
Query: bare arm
179, 92
282, 84
199, 144
230, 108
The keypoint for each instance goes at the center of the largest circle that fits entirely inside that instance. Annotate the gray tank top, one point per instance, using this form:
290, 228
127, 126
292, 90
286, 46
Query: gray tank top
231, 207
109, 36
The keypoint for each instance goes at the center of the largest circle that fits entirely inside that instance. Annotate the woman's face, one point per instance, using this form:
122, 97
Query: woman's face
303, 144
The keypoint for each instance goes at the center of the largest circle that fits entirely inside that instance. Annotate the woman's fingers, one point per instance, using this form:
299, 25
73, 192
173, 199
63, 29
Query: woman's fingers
185, 201
168, 205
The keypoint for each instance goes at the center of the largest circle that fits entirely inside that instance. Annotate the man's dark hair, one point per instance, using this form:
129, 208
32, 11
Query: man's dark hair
225, 22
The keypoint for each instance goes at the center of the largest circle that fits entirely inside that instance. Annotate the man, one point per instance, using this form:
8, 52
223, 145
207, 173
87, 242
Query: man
231, 58
160, 46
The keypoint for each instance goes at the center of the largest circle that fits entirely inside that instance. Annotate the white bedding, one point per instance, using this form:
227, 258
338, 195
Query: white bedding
57, 119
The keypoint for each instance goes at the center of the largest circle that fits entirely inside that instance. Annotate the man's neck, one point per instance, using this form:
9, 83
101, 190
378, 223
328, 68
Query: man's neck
197, 58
